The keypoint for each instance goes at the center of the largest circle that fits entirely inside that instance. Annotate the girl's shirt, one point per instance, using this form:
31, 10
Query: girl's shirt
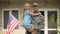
27, 17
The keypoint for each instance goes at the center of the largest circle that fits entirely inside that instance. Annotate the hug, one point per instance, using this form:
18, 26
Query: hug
32, 20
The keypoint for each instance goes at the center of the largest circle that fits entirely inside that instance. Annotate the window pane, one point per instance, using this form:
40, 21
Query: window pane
6, 13
52, 19
52, 32
40, 32
15, 14
42, 12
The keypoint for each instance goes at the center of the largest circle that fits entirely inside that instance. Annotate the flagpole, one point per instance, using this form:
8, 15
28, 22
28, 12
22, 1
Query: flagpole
10, 12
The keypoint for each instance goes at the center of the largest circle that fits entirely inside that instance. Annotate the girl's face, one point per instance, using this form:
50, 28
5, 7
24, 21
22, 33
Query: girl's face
27, 6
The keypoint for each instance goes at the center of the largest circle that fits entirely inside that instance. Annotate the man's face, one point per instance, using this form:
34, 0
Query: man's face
35, 8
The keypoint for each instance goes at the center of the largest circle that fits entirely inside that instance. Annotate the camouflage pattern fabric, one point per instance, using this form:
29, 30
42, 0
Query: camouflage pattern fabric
38, 21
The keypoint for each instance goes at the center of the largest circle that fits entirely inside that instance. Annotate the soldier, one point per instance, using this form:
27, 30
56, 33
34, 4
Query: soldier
37, 21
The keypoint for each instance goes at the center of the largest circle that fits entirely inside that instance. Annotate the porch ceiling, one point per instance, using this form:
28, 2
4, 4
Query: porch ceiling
31, 1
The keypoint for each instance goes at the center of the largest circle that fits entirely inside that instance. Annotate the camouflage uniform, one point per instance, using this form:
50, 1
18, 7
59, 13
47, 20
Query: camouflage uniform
38, 21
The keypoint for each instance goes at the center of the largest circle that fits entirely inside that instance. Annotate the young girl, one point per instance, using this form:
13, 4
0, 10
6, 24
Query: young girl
27, 19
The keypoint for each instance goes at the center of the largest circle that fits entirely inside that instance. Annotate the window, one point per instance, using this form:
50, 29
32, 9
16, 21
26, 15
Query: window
50, 21
6, 14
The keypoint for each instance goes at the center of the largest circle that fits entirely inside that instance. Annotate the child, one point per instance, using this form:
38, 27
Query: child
27, 19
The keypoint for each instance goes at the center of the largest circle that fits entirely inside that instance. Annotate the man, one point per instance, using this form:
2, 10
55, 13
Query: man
37, 21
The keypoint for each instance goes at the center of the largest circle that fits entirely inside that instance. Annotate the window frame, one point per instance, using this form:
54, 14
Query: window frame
10, 10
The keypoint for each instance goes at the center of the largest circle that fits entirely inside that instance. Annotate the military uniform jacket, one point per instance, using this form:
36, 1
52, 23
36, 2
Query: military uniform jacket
38, 21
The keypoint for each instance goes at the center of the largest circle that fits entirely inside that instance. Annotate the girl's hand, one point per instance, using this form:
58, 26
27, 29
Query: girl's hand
39, 13
34, 14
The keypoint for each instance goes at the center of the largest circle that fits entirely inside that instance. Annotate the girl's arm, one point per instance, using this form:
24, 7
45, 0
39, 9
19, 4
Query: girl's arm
34, 14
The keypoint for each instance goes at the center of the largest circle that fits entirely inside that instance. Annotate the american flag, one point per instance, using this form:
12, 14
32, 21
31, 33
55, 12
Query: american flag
12, 23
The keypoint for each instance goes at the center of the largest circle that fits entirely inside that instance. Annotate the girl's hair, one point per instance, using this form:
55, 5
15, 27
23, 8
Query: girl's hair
25, 5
